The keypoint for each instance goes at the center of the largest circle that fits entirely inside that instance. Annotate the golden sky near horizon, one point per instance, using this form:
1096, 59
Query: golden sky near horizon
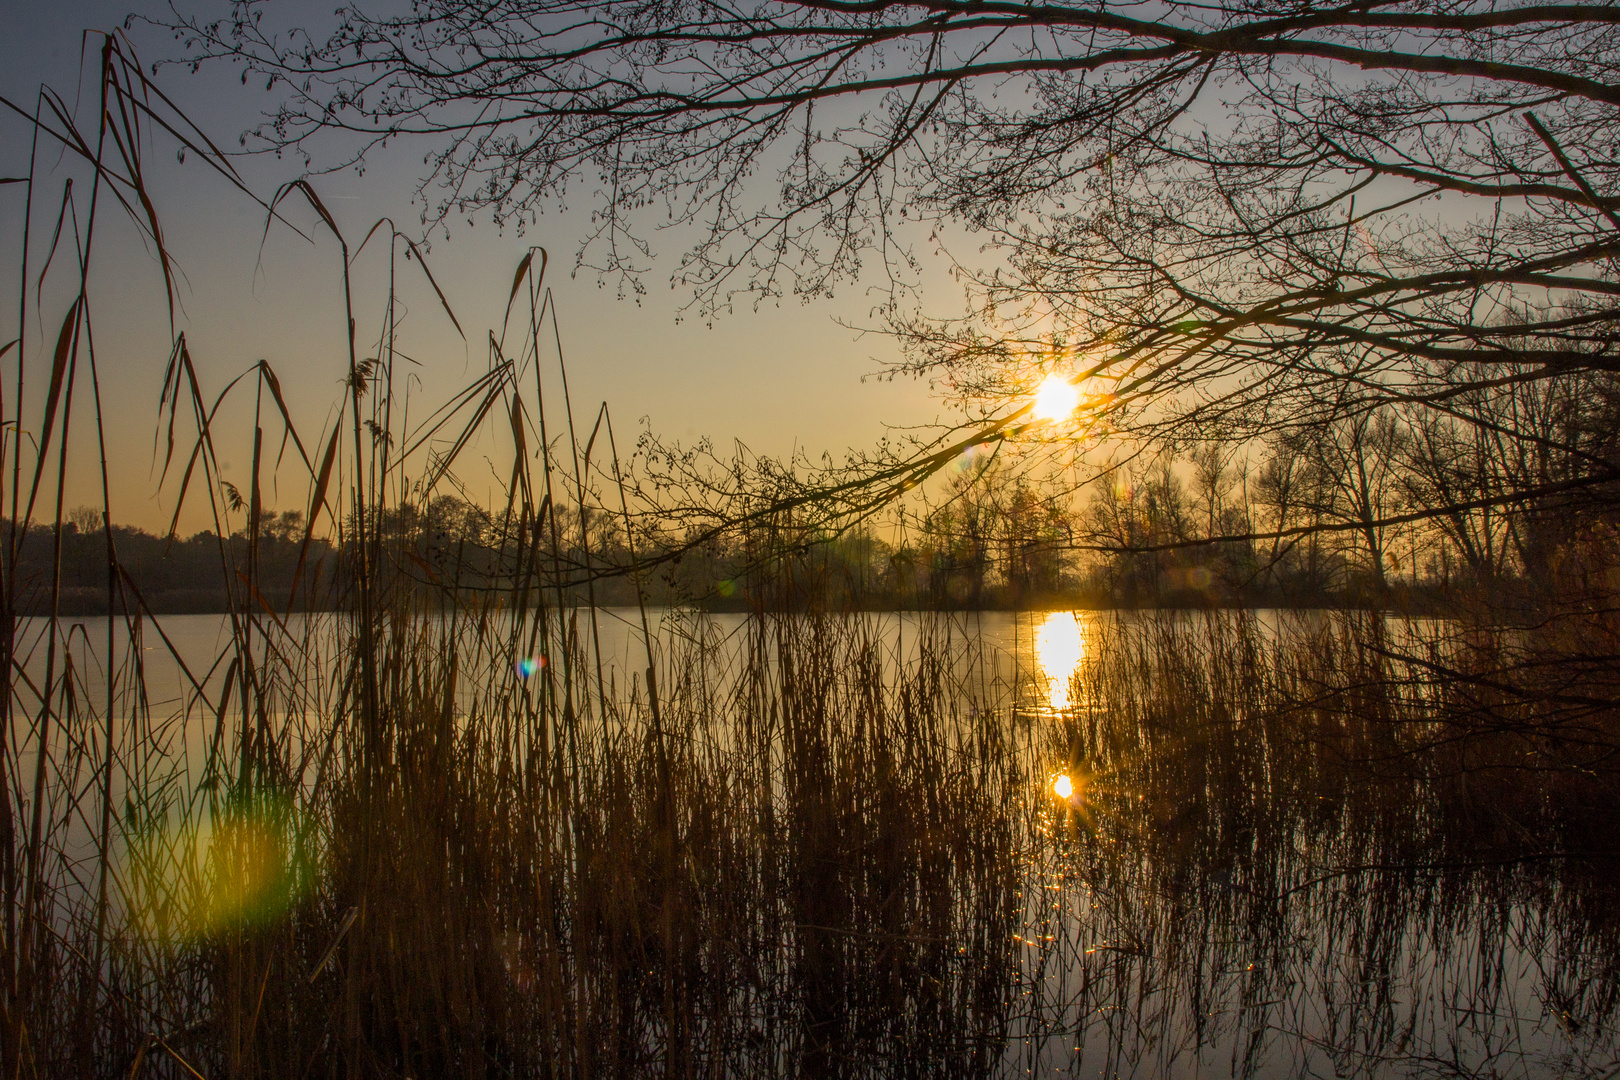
779, 379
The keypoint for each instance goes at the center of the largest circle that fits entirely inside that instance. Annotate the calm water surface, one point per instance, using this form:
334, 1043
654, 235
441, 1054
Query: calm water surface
1027, 659
1176, 927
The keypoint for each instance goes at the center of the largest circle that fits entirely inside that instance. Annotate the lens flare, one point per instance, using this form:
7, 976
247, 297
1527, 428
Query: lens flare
1056, 398
529, 665
241, 864
1063, 787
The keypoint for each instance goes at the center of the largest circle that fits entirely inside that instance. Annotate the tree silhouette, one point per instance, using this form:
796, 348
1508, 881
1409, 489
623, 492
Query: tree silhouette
1232, 219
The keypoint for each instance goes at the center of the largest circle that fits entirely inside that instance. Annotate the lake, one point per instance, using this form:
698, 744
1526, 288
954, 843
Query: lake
1065, 843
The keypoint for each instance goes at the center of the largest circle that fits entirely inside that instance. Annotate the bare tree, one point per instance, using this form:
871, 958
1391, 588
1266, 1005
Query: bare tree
86, 519
1450, 464
1280, 497
1254, 216
1141, 516
1353, 463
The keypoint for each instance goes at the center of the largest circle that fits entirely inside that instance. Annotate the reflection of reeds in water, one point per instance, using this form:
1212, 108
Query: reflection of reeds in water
801, 866
820, 858
374, 844
1278, 865
389, 853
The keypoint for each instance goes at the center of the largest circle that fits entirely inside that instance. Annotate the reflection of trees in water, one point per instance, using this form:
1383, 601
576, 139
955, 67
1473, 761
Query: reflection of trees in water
1141, 966
1274, 869
834, 853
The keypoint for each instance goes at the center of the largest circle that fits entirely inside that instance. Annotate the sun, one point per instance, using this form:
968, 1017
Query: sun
1056, 398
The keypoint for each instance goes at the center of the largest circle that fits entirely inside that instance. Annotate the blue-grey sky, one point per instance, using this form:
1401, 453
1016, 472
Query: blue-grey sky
776, 379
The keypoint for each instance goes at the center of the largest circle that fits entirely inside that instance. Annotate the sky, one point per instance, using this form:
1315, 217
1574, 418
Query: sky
780, 379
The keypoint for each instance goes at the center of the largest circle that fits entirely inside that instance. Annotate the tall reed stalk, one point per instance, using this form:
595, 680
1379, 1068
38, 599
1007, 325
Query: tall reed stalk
378, 837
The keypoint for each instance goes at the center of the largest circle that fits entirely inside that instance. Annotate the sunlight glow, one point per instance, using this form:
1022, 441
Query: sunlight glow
240, 866
1063, 787
1056, 398
1059, 648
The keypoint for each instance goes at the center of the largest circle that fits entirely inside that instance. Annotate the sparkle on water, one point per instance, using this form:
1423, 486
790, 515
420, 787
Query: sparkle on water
1056, 398
1063, 786
1059, 649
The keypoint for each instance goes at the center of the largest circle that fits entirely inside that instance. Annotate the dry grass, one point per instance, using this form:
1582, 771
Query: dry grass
368, 847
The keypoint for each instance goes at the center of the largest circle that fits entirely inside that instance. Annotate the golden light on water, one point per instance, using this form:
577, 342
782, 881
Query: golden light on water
1059, 648
1063, 787
1056, 398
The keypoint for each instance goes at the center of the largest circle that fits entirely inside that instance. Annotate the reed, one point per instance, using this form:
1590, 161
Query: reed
1294, 849
381, 840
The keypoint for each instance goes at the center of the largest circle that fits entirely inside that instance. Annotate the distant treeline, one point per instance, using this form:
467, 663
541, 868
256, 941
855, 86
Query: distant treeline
1300, 522
454, 546
169, 575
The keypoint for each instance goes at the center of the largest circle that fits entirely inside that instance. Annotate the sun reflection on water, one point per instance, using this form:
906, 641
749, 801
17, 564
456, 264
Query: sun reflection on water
1059, 648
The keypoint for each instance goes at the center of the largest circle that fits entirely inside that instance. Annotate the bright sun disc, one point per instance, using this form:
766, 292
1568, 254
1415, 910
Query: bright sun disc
1056, 398
1063, 786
